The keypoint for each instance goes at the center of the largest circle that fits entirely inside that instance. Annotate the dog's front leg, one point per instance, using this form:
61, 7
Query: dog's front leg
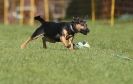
65, 42
71, 43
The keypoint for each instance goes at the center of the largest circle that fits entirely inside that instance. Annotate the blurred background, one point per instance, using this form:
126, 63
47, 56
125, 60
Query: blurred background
23, 11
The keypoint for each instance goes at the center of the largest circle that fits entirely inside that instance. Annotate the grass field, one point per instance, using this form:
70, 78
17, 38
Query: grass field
108, 61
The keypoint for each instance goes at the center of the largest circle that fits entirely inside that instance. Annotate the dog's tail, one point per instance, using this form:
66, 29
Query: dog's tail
39, 19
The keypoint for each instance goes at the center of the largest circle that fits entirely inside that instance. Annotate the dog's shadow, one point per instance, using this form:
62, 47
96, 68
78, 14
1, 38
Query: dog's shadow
60, 49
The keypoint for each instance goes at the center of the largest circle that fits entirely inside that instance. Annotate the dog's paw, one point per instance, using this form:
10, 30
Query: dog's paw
22, 46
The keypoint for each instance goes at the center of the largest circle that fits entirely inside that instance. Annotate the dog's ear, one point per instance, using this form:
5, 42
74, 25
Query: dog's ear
75, 19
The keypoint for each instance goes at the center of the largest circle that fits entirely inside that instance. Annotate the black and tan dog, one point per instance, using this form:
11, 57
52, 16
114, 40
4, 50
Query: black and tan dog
58, 32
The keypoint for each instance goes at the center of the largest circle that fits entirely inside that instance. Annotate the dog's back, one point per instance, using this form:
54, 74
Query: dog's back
50, 29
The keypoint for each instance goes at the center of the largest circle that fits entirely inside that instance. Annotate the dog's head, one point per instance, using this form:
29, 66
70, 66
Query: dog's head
80, 25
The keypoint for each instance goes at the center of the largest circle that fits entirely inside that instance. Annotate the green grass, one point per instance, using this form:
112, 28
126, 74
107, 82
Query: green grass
106, 62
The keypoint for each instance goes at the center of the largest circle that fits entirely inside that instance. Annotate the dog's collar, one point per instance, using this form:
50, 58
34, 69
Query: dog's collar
71, 27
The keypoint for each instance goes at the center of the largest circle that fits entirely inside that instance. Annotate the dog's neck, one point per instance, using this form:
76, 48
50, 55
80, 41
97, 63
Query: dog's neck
72, 28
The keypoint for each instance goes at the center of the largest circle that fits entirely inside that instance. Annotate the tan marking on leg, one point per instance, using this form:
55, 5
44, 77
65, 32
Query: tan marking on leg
68, 36
71, 43
65, 34
64, 41
25, 43
38, 36
28, 40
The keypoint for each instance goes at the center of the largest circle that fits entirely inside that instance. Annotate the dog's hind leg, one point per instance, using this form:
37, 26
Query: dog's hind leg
44, 42
39, 32
26, 42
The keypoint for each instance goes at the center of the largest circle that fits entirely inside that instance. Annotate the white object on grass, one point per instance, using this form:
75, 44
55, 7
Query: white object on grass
82, 45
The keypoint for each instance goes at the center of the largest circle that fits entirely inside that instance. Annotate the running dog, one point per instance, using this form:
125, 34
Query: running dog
58, 32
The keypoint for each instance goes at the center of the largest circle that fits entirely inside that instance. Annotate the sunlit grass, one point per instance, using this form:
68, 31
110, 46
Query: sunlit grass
106, 62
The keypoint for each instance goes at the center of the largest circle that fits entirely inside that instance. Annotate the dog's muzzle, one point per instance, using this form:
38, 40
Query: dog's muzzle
85, 31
